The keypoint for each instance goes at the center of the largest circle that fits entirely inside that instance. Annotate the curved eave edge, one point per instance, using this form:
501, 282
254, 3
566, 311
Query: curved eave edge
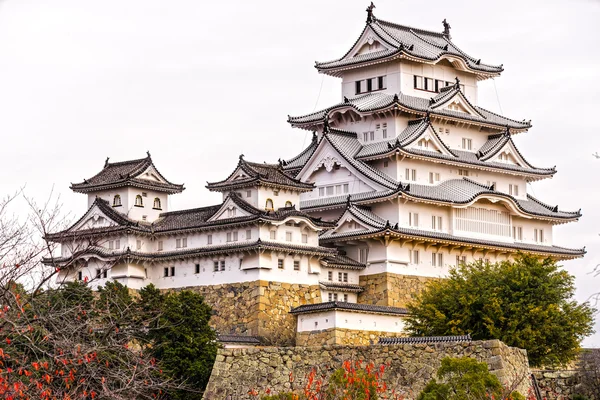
94, 188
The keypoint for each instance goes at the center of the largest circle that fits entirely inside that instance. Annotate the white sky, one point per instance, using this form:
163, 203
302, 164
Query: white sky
198, 83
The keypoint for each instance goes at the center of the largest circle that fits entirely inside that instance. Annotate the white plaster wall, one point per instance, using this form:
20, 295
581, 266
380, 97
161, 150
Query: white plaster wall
341, 176
443, 70
350, 320
128, 202
352, 297
391, 70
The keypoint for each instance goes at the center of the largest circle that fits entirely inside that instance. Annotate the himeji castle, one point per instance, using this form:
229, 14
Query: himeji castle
404, 178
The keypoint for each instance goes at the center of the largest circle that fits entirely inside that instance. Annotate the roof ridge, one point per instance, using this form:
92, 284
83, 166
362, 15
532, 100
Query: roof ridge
187, 210
406, 27
136, 161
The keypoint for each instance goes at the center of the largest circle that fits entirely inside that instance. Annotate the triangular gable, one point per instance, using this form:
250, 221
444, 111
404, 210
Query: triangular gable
229, 209
327, 158
355, 219
94, 218
368, 42
508, 154
457, 102
429, 140
151, 174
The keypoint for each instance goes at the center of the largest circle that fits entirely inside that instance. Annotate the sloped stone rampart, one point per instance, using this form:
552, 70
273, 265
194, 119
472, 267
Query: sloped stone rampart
409, 366
388, 289
557, 384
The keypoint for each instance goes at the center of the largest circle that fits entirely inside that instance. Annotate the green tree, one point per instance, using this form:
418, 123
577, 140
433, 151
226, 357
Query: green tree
462, 379
526, 303
183, 341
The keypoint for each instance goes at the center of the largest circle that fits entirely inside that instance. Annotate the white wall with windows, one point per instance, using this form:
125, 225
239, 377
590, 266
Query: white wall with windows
363, 321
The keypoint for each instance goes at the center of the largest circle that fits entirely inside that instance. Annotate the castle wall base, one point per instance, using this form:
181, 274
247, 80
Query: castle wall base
341, 336
388, 289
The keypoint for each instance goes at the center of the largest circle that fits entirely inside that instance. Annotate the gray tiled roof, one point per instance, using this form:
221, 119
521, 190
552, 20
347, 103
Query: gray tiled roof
191, 252
298, 161
239, 339
340, 201
191, 219
348, 146
369, 102
340, 287
125, 173
419, 43
340, 305
270, 174
425, 339
342, 261
329, 237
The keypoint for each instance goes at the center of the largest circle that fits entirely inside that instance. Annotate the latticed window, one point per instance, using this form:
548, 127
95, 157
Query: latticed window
117, 200
139, 202
288, 203
157, 205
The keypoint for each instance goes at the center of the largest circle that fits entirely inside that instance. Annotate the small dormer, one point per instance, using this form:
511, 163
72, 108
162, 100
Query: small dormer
264, 186
135, 188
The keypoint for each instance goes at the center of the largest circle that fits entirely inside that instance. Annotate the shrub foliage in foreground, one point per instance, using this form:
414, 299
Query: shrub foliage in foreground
526, 303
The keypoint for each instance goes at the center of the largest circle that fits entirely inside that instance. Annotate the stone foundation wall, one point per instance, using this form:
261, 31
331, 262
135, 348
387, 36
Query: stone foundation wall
557, 385
409, 366
387, 289
258, 308
340, 336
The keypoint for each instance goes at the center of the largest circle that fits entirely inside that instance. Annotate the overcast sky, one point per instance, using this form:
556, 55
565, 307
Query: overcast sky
198, 83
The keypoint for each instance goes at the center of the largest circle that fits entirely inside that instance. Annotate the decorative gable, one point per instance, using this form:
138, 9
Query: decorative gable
428, 140
151, 174
369, 42
229, 209
457, 103
95, 218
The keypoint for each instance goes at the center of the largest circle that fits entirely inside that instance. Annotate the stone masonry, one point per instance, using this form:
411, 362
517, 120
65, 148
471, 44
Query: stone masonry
409, 366
258, 308
387, 289
340, 336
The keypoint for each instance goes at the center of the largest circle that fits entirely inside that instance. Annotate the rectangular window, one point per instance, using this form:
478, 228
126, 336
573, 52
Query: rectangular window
413, 219
117, 244
80, 275
357, 87
160, 245
466, 144
436, 223
321, 191
248, 234
215, 266
381, 82
345, 297
273, 235
329, 190
369, 85
414, 175
184, 242
377, 127
222, 265
98, 273
339, 277
296, 265
166, 272
414, 256
440, 259
304, 238
429, 84
433, 259
345, 277
280, 263
366, 136
385, 164
138, 244
463, 172
288, 236
197, 268
517, 232
431, 177
329, 275
105, 273
209, 239
229, 236
372, 135
346, 188
329, 297
461, 260
363, 255
235, 236
541, 236
178, 243
111, 244
248, 193
516, 190
172, 271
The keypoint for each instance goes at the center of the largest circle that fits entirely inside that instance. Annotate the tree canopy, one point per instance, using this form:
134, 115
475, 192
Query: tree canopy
526, 303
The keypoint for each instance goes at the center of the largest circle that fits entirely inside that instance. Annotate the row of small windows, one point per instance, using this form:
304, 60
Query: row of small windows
437, 259
370, 85
281, 264
289, 236
432, 85
334, 190
370, 135
230, 237
139, 202
100, 274
342, 276
334, 297
436, 221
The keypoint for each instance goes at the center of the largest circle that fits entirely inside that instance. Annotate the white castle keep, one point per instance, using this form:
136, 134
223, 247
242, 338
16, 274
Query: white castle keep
404, 178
